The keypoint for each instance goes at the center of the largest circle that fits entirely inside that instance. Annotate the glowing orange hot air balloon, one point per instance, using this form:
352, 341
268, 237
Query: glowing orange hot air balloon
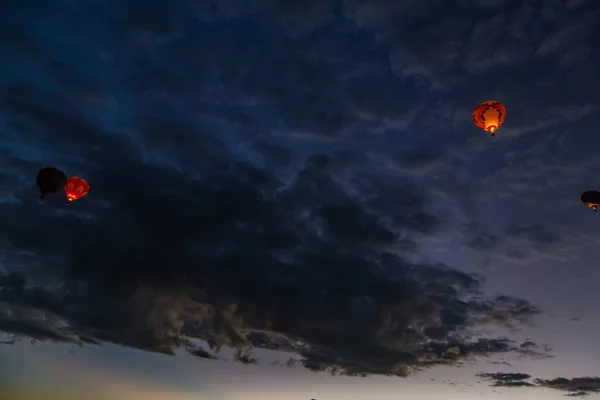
489, 116
76, 188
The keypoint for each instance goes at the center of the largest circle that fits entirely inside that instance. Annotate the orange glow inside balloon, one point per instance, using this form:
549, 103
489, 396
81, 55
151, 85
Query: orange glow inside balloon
76, 188
489, 116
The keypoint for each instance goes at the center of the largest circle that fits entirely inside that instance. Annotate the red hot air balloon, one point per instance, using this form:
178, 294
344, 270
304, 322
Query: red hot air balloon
489, 116
76, 188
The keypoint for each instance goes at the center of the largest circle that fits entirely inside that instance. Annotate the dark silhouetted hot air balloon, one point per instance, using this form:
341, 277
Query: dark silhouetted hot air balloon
50, 180
591, 198
76, 188
489, 116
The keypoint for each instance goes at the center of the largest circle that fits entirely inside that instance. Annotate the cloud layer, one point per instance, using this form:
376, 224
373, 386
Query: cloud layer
263, 175
575, 387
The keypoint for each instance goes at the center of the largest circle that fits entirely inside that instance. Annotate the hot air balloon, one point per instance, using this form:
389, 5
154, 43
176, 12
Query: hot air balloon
76, 188
489, 116
591, 198
50, 180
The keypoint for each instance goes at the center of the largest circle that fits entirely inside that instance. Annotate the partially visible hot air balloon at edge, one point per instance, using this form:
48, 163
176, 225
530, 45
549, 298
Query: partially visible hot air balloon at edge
591, 198
76, 188
50, 180
489, 116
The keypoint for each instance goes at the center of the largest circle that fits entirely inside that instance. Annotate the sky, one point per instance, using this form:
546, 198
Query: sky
289, 200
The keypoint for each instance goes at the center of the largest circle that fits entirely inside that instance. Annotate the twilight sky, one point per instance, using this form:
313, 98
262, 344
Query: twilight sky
283, 190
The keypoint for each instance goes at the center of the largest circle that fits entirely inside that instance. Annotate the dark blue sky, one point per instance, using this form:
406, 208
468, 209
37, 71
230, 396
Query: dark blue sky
306, 177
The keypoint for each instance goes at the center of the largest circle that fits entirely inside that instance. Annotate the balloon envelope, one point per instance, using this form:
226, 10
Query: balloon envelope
76, 188
489, 116
50, 180
591, 198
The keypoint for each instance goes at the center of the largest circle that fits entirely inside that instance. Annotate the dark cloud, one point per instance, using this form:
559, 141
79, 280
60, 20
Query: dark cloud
39, 324
536, 235
517, 242
507, 379
157, 255
225, 206
274, 154
362, 324
484, 242
576, 387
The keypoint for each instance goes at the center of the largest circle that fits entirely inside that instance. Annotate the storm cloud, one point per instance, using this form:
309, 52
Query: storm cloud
238, 195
